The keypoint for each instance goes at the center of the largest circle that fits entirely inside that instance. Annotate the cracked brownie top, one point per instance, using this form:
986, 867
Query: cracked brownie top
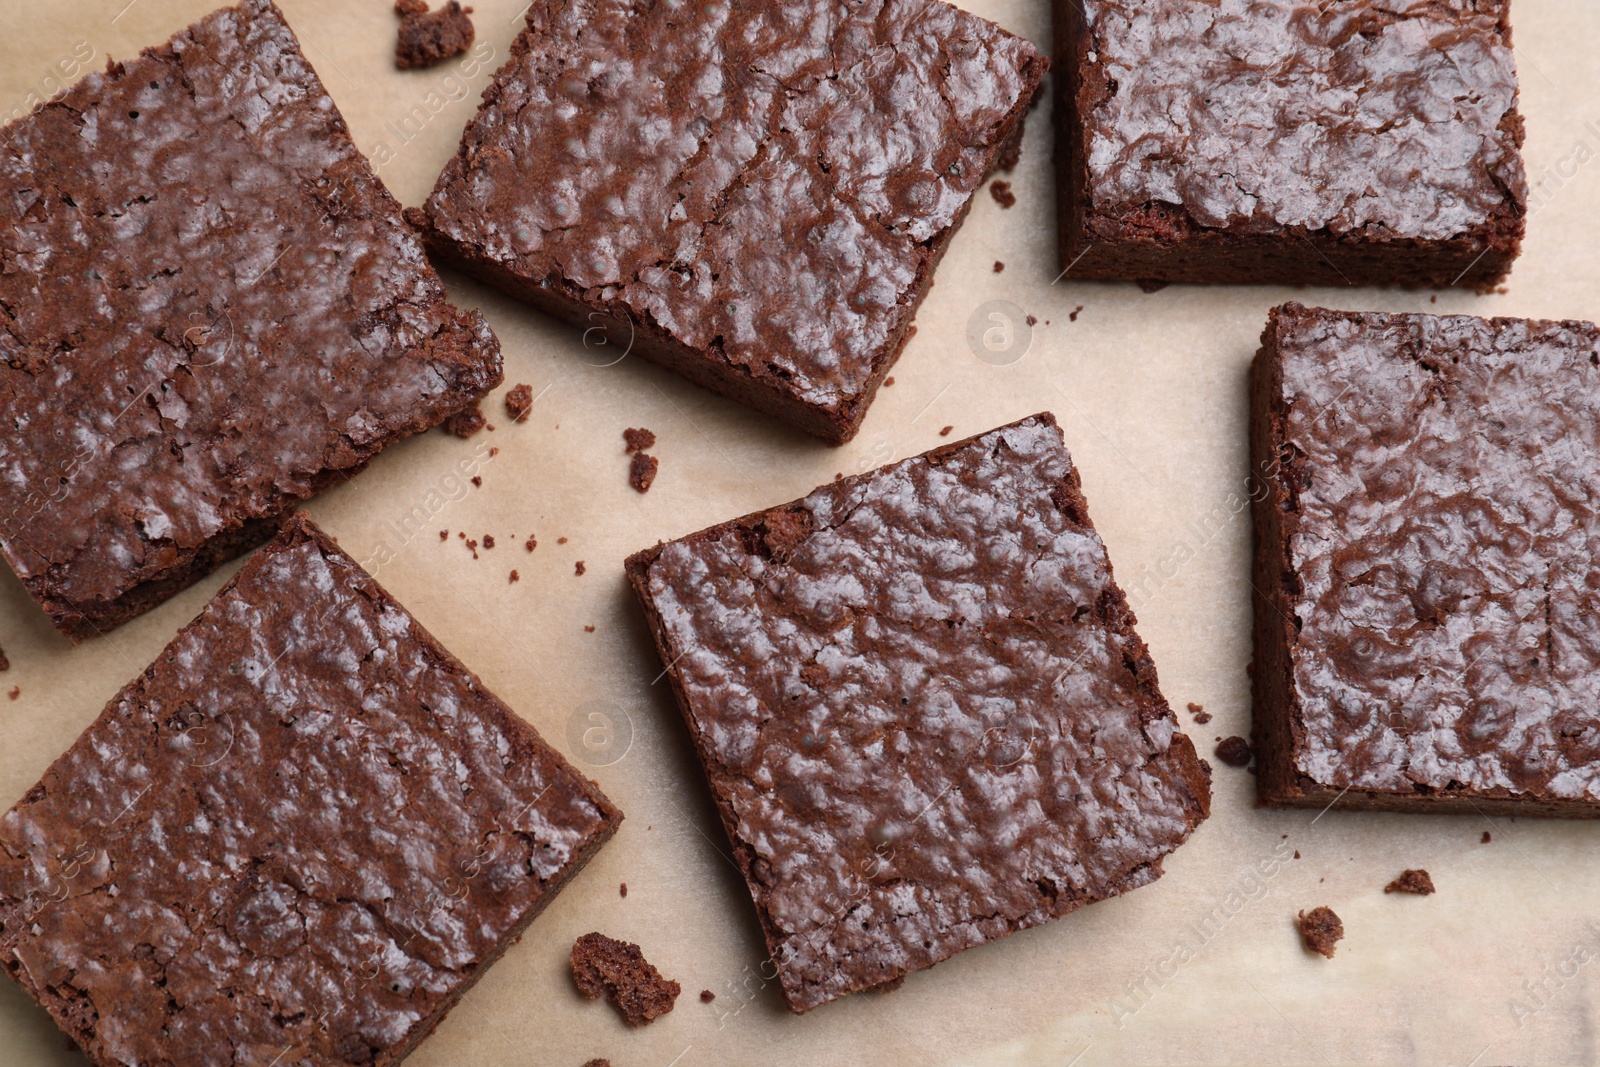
300, 834
1350, 115
923, 709
765, 184
1440, 480
210, 307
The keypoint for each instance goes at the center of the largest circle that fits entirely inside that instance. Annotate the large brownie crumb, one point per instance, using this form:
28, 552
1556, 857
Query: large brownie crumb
603, 966
1001, 191
519, 402
637, 440
466, 422
427, 38
642, 471
1417, 882
706, 996
1321, 930
1234, 751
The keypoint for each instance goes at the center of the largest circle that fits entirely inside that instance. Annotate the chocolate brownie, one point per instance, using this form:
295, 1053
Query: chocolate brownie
605, 967
298, 837
1350, 142
1321, 930
1425, 563
755, 194
210, 310
924, 712
431, 37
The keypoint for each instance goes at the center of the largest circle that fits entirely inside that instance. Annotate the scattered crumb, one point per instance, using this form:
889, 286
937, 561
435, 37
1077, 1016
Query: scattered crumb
515, 577
472, 546
617, 970
1485, 839
706, 996
999, 266
561, 540
1434, 299
494, 451
519, 402
946, 431
427, 38
1032, 320
16, 691
1234, 751
1201, 715
488, 540
887, 382
466, 422
624, 889
1150, 285
578, 568
1416, 882
461, 534
444, 535
1296, 853
1321, 930
5, 664
638, 440
590, 630
1072, 316
477, 483
598, 1062
1001, 191
533, 543
642, 471
489, 426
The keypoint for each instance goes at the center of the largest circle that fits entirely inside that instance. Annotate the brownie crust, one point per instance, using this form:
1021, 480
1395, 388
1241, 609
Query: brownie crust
1361, 143
303, 832
210, 310
1422, 564
923, 710
754, 195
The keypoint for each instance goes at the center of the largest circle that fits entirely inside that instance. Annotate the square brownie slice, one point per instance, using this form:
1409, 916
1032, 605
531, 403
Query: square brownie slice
1426, 539
1348, 142
297, 838
924, 712
210, 310
754, 194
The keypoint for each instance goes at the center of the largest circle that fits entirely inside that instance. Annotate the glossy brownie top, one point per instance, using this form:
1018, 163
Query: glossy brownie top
921, 703
760, 181
1390, 120
207, 300
301, 832
1443, 476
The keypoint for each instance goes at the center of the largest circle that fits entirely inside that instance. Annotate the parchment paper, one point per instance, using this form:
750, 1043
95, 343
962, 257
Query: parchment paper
1203, 966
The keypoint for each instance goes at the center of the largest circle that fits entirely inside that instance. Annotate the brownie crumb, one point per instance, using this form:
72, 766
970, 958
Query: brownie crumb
1033, 320
1234, 751
638, 440
5, 664
531, 544
1321, 930
16, 691
578, 568
706, 996
1152, 285
477, 483
602, 966
1072, 316
493, 452
999, 266
444, 535
519, 402
598, 1062
887, 382
624, 888
488, 540
946, 431
515, 578
1417, 882
590, 630
1201, 715
642, 471
561, 540
466, 422
1485, 839
1296, 853
1001, 191
472, 546
427, 38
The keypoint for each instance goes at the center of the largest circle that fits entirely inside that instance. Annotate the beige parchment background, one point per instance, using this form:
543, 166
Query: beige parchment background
1204, 966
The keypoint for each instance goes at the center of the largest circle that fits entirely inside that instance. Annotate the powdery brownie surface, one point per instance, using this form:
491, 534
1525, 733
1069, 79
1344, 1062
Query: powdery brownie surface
1425, 562
210, 309
923, 710
755, 194
301, 833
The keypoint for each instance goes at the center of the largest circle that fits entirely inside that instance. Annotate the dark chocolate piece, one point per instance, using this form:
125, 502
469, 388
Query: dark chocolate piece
1416, 882
210, 310
602, 966
1321, 930
771, 237
431, 37
304, 831
1424, 563
1350, 142
923, 709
